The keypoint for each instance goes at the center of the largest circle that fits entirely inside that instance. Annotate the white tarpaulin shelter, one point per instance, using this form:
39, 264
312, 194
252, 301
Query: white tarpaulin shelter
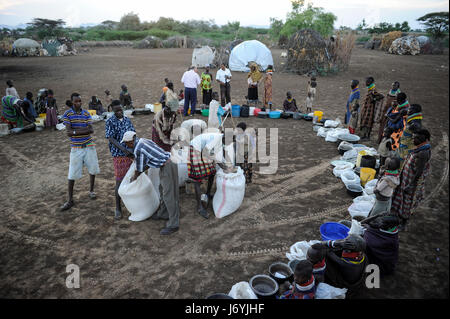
203, 56
24, 43
249, 51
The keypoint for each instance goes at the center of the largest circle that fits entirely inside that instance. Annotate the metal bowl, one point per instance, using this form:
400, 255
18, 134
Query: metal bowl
281, 272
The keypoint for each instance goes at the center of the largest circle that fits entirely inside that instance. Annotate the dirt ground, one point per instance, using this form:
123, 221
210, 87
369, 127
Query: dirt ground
123, 259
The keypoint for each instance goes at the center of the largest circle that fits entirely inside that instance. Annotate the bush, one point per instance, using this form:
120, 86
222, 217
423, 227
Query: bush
363, 39
112, 35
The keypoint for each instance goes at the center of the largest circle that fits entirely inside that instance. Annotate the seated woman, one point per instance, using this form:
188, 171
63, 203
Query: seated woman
96, 104
13, 114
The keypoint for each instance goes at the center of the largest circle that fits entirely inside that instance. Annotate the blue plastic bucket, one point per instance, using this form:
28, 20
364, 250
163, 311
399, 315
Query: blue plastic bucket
333, 231
236, 110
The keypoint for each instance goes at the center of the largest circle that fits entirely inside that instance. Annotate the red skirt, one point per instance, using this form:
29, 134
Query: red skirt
121, 166
199, 168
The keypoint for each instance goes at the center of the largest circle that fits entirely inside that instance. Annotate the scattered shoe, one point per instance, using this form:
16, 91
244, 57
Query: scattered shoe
118, 215
92, 195
169, 230
67, 205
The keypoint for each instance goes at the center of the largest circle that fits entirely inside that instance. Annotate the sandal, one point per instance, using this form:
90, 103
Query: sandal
92, 195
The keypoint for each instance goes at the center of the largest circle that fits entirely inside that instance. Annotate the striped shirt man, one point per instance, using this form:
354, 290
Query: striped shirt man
79, 120
148, 154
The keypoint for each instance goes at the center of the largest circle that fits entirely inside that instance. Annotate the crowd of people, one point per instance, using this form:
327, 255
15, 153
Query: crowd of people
403, 146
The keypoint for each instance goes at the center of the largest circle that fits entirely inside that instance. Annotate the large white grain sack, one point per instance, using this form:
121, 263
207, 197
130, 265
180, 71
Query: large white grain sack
139, 197
242, 290
325, 291
180, 157
299, 250
230, 192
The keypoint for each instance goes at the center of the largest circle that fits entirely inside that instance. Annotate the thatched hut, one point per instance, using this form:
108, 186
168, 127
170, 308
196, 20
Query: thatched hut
26, 47
149, 42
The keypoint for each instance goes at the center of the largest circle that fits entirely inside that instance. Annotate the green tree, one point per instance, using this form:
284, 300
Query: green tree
436, 23
362, 26
46, 28
405, 27
275, 28
109, 24
130, 22
309, 18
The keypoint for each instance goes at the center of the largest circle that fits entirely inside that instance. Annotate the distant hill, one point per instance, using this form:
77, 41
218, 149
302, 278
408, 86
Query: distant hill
19, 26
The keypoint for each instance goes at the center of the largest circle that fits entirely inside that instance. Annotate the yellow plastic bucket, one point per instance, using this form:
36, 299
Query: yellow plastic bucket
319, 115
92, 112
44, 115
366, 174
157, 107
358, 159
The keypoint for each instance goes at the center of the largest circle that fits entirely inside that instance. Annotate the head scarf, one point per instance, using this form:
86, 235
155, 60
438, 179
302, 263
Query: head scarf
255, 75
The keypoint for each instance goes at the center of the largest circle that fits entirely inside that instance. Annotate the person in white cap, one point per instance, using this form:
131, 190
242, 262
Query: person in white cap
149, 155
206, 86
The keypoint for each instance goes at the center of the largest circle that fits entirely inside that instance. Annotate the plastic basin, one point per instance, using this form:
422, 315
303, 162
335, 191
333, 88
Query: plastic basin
274, 115
205, 112
352, 138
333, 231
354, 190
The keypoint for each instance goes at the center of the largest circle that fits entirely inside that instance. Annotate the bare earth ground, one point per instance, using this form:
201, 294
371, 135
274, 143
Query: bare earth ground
123, 259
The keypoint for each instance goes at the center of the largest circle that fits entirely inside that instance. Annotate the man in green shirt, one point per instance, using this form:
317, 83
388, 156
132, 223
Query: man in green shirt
206, 86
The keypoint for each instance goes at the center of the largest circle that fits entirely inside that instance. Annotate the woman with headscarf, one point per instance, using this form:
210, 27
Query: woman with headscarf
391, 99
411, 190
268, 88
12, 112
369, 108
165, 119
254, 76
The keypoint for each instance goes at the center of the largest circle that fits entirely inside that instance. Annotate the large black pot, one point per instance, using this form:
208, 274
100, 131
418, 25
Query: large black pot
282, 269
264, 287
368, 161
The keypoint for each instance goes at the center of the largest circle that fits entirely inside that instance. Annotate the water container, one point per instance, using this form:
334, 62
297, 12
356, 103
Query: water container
256, 111
235, 110
366, 174
274, 115
368, 161
317, 116
333, 231
158, 107
358, 159
205, 112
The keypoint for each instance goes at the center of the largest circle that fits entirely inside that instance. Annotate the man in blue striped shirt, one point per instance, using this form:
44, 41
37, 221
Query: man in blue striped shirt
78, 124
148, 154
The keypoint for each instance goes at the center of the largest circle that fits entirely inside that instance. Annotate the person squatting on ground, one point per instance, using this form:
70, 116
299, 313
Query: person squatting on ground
13, 112
223, 76
352, 106
385, 146
164, 120
304, 286
29, 110
346, 262
396, 119
385, 187
417, 168
372, 102
413, 124
79, 128
115, 128
125, 98
51, 110
390, 101
96, 105
149, 155
289, 104
381, 237
190, 80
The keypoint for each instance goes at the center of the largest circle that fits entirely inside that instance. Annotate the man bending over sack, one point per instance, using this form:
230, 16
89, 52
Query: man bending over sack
346, 262
149, 155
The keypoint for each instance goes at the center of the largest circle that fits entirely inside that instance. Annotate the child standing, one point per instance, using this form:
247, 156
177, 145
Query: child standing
108, 99
385, 147
11, 90
353, 124
51, 110
386, 186
311, 95
309, 100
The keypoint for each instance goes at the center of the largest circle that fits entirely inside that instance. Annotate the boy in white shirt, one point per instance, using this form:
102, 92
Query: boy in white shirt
223, 76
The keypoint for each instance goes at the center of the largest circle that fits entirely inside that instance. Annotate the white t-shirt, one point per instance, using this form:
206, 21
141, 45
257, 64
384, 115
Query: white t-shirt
220, 76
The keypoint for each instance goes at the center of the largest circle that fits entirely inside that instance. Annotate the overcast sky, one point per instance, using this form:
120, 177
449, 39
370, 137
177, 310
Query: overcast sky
247, 12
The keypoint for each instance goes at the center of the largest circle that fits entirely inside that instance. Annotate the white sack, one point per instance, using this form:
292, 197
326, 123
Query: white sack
299, 250
230, 192
325, 291
139, 197
242, 290
360, 209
